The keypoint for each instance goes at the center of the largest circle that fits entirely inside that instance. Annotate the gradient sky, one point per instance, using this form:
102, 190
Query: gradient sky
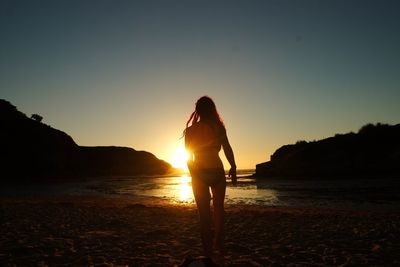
128, 73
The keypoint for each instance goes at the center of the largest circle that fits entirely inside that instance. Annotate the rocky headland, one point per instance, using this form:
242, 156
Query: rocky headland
373, 151
32, 150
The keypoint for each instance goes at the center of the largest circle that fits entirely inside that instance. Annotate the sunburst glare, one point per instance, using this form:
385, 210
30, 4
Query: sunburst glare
179, 158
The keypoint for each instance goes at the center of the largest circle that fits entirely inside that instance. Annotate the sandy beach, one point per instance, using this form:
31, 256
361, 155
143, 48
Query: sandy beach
99, 231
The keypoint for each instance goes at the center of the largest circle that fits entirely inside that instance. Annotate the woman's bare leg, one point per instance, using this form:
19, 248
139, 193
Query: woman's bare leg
202, 196
219, 214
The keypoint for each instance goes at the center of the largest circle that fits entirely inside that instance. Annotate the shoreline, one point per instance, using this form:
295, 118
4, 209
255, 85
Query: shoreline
106, 231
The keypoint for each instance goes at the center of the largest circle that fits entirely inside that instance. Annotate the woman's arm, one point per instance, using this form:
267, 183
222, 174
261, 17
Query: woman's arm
231, 158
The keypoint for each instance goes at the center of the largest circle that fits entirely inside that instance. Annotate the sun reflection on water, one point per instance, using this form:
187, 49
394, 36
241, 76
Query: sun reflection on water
178, 190
185, 189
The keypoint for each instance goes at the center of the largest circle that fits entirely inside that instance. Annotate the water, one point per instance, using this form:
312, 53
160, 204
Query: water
366, 194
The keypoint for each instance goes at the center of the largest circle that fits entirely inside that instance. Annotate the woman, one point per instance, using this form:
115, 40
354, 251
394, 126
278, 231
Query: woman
204, 135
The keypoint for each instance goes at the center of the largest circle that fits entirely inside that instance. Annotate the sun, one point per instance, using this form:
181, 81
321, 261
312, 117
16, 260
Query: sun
179, 158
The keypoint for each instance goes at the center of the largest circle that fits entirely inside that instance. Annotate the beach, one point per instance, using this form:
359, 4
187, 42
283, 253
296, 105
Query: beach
109, 231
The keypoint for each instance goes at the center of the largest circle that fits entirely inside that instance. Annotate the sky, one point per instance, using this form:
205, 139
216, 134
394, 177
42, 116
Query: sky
128, 73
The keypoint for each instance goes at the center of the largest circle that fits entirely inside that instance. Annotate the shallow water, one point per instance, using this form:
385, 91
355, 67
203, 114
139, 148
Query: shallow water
366, 194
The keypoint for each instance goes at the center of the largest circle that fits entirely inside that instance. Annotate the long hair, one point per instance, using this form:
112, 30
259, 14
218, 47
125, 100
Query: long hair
206, 111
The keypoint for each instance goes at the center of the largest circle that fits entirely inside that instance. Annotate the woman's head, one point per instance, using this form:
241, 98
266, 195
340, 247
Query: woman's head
205, 110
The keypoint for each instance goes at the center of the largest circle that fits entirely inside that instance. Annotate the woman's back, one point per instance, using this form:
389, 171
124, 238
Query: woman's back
204, 139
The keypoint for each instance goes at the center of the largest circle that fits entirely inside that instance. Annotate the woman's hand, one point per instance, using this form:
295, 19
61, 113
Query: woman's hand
232, 175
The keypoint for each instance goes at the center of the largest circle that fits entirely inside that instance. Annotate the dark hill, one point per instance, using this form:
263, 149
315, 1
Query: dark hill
31, 150
373, 151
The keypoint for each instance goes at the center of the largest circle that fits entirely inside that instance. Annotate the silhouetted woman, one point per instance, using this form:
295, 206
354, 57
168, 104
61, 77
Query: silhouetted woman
204, 135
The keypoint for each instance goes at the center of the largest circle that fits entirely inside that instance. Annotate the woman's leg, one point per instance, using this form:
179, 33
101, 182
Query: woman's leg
218, 192
202, 196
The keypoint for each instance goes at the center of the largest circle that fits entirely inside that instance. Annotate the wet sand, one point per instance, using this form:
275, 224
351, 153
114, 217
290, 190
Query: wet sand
99, 231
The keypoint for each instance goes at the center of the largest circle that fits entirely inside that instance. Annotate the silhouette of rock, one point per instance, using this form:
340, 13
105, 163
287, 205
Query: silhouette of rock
373, 151
33, 150
99, 161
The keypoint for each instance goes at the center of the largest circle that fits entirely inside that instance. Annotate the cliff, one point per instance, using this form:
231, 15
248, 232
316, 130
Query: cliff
32, 150
373, 151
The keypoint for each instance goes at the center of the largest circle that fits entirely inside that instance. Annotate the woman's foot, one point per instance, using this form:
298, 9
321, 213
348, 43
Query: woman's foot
219, 246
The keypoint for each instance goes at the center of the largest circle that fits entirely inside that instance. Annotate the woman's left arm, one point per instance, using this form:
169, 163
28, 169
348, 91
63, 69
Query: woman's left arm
228, 151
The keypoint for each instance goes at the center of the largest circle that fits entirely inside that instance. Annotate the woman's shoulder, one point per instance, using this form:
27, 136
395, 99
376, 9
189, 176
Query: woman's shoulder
197, 125
204, 127
192, 128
